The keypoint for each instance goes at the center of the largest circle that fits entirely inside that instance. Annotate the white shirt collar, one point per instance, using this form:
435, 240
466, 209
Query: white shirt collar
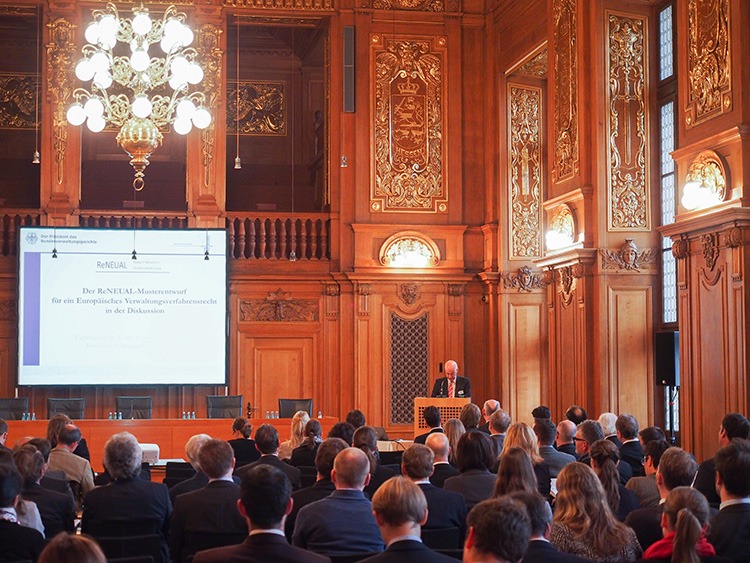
407, 537
734, 501
267, 531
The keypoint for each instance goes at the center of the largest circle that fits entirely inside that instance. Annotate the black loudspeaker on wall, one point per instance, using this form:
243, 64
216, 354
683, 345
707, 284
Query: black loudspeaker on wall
667, 358
349, 68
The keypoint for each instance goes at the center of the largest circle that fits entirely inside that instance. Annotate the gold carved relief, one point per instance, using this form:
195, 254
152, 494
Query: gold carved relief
209, 56
525, 171
524, 280
709, 60
566, 284
409, 293
18, 101
278, 306
409, 125
277, 5
415, 5
536, 66
61, 52
629, 207
710, 244
628, 257
261, 107
565, 163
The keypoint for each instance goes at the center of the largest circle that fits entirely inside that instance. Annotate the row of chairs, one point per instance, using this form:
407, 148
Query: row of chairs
217, 406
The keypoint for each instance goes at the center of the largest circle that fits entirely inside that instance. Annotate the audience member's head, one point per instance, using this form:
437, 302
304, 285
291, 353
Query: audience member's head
43, 445
499, 530
30, 464
470, 416
265, 493
6, 459
649, 434
342, 430
438, 443
399, 501
72, 548
627, 427
431, 416
541, 411
608, 421
490, 406
356, 418
515, 473
193, 446
604, 458
69, 436
366, 439
475, 451
10, 485
122, 456
299, 421
576, 414
417, 462
539, 511
589, 431
454, 429
313, 434
733, 425
566, 431
54, 426
242, 427
733, 469
216, 459
686, 514
677, 468
652, 455
326, 454
545, 431
351, 469
520, 435
3, 431
267, 439
499, 422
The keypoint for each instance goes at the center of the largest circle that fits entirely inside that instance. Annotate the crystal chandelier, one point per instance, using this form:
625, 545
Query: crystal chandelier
138, 92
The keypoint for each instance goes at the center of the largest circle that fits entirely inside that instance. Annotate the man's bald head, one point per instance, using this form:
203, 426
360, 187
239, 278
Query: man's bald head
566, 431
351, 469
438, 443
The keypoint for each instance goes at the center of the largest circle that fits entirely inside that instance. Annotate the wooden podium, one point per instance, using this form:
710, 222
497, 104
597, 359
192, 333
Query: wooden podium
449, 408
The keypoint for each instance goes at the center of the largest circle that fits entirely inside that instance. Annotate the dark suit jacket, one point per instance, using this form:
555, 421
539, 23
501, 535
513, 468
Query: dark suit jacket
244, 451
646, 523
705, 482
614, 439
442, 472
445, 509
197, 481
422, 438
463, 387
320, 490
210, 510
381, 475
568, 449
628, 503
475, 485
259, 548
409, 551
540, 551
294, 474
485, 427
729, 532
304, 456
56, 509
19, 542
632, 454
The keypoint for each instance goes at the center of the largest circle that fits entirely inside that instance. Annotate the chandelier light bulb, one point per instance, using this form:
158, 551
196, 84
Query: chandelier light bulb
142, 107
142, 23
76, 114
179, 67
182, 126
108, 25
185, 109
85, 70
185, 36
140, 60
95, 124
176, 83
99, 61
92, 33
103, 80
93, 107
691, 196
201, 118
195, 73
167, 44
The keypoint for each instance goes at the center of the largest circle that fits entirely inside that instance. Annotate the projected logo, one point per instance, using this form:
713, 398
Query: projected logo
31, 238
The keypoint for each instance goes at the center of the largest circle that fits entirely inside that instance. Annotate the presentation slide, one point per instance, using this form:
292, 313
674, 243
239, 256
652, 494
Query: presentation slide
122, 307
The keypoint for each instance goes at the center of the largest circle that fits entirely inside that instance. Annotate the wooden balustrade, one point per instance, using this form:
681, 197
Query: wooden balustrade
10, 221
135, 221
274, 236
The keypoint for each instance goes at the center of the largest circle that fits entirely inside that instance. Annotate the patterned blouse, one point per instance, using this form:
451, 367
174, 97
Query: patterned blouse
565, 540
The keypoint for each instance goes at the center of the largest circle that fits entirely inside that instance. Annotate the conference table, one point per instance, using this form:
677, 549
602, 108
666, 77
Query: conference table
169, 434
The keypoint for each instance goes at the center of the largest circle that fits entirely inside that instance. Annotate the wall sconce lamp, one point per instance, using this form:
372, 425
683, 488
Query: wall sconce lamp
706, 182
409, 250
562, 228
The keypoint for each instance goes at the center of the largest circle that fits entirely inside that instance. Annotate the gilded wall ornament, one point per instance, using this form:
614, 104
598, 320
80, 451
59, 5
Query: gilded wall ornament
413, 5
262, 108
536, 67
278, 306
566, 284
710, 244
18, 101
566, 149
409, 293
525, 171
525, 280
409, 125
680, 248
455, 289
628, 257
629, 207
709, 60
276, 5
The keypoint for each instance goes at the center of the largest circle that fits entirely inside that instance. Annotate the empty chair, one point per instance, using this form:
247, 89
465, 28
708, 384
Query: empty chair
14, 409
72, 408
133, 407
287, 407
177, 472
122, 547
223, 406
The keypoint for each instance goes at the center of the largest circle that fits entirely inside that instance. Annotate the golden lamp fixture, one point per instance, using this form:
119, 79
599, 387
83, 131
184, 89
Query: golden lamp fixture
139, 92
706, 182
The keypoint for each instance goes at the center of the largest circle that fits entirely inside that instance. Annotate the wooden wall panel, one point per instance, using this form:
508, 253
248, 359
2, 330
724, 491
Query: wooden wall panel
528, 357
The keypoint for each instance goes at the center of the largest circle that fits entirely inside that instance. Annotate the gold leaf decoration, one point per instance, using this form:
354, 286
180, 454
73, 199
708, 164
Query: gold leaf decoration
261, 107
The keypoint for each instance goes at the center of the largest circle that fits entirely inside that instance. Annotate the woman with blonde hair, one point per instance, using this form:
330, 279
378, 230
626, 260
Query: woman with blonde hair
299, 420
604, 458
584, 525
454, 429
515, 474
684, 525
520, 435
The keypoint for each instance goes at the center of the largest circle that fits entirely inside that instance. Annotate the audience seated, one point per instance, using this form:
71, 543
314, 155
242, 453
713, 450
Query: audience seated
545, 432
400, 510
542, 411
446, 509
342, 430
604, 458
431, 415
366, 440
267, 441
631, 451
454, 429
576, 414
588, 432
55, 424
244, 447
304, 454
4, 435
342, 522
356, 418
608, 421
729, 530
264, 503
515, 474
475, 482
520, 435
645, 487
499, 424
734, 425
442, 469
210, 510
565, 440
128, 505
490, 406
18, 542
584, 525
323, 487
52, 480
77, 469
26, 512
197, 481
499, 532
72, 548
470, 417
676, 469
299, 420
649, 434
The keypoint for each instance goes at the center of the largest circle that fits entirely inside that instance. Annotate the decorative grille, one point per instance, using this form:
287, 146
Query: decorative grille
409, 365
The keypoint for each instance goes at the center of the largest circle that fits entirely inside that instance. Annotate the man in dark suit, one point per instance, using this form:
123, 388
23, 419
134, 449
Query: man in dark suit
267, 442
446, 509
323, 486
565, 439
631, 451
588, 432
400, 509
676, 469
452, 385
540, 550
544, 429
264, 503
490, 406
729, 530
442, 469
210, 510
499, 424
431, 417
608, 420
56, 509
734, 425
19, 543
4, 435
499, 530
197, 481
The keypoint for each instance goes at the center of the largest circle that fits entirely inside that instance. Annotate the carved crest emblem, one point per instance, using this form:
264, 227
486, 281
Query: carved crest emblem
409, 293
710, 243
525, 280
627, 257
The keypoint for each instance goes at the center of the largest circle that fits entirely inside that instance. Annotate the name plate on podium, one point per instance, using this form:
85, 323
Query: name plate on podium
449, 408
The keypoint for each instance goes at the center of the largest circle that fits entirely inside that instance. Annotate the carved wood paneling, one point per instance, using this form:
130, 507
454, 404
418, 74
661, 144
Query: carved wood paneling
279, 306
628, 258
409, 127
276, 5
709, 60
565, 103
414, 5
261, 106
525, 147
528, 354
627, 68
536, 67
18, 101
61, 52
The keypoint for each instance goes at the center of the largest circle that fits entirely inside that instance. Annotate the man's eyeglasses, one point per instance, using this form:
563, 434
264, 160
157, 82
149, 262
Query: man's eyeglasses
577, 439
